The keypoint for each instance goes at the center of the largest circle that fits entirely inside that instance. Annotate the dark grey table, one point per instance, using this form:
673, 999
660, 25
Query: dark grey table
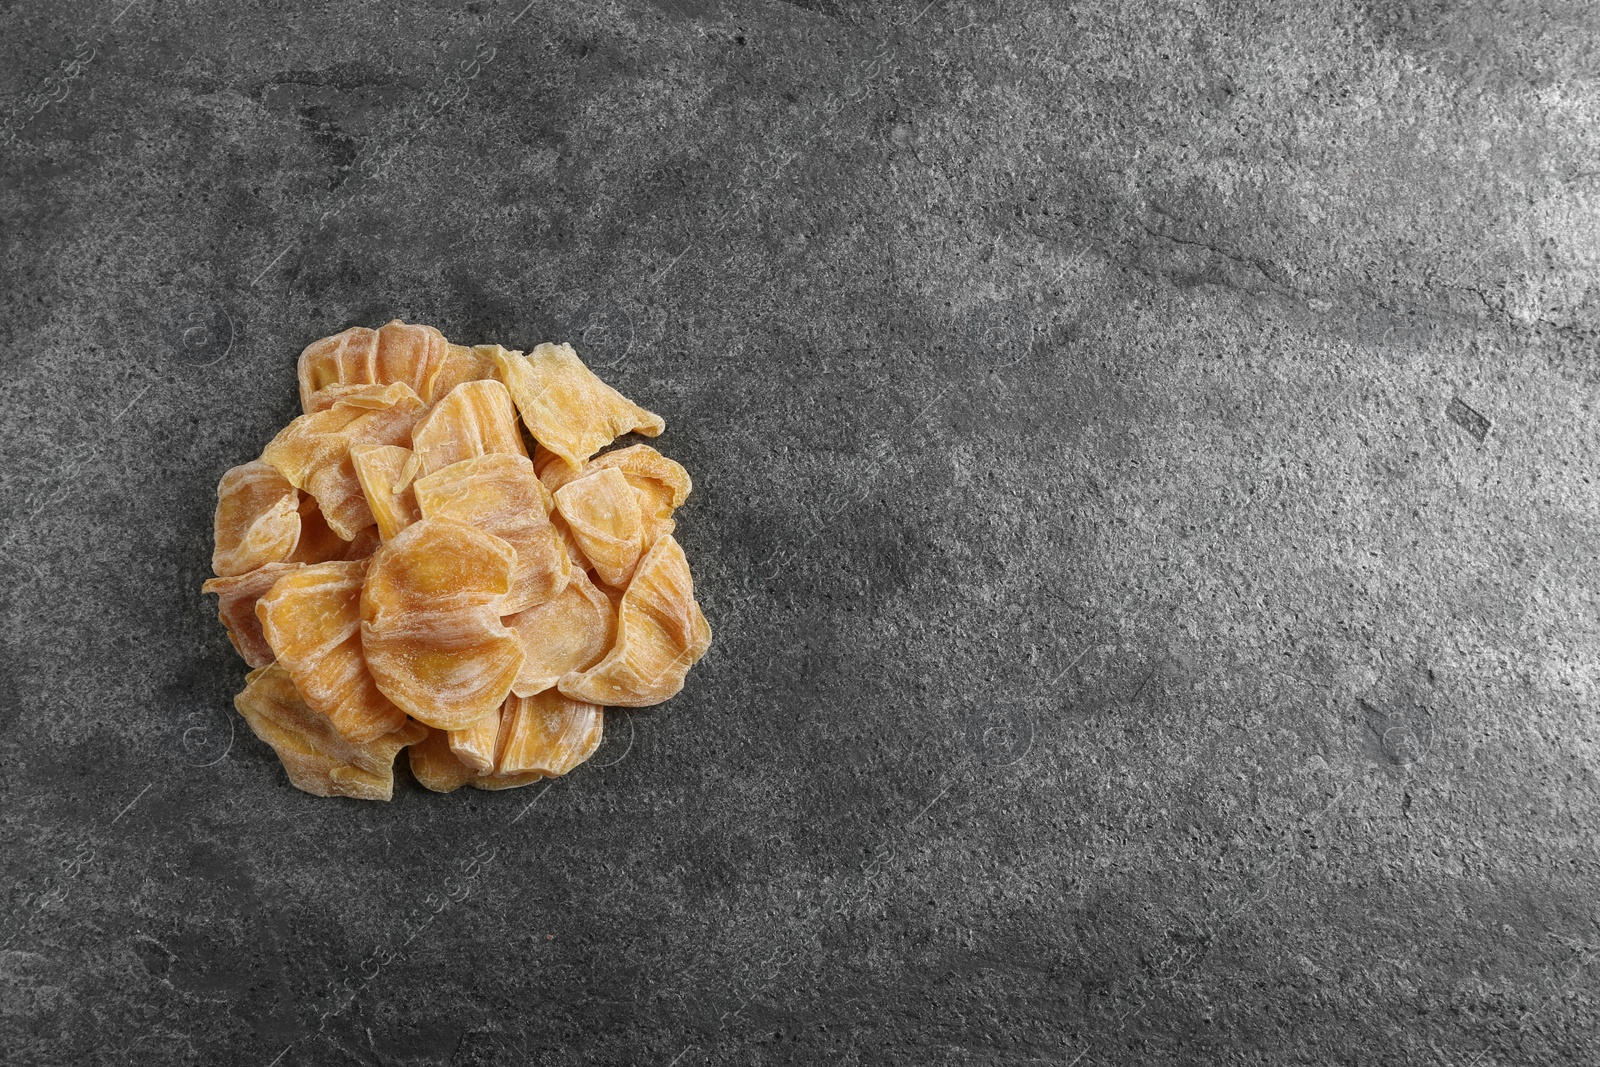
1145, 496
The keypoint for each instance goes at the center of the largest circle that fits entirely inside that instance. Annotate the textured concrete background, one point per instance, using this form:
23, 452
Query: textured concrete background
1125, 651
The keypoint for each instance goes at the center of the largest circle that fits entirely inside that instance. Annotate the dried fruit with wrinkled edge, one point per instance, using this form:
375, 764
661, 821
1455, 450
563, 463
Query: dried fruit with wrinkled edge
661, 484
570, 633
317, 544
257, 519
464, 364
566, 408
474, 746
386, 473
529, 738
435, 766
602, 511
431, 624
499, 494
312, 620
661, 632
399, 352
318, 758
313, 451
236, 607
475, 419
547, 733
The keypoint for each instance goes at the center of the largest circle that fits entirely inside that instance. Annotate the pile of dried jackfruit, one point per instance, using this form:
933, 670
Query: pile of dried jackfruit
401, 573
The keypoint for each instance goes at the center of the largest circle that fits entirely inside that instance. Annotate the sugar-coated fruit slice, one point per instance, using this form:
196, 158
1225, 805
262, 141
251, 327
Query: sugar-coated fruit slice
313, 451
548, 732
661, 632
431, 624
566, 408
318, 758
475, 419
386, 473
236, 607
661, 484
312, 619
499, 494
569, 633
399, 352
257, 520
602, 511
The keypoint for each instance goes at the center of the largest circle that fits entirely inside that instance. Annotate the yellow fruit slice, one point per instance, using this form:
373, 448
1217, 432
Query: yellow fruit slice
319, 759
257, 520
312, 619
386, 473
569, 633
236, 607
499, 494
661, 632
475, 419
602, 511
399, 352
566, 408
431, 624
313, 451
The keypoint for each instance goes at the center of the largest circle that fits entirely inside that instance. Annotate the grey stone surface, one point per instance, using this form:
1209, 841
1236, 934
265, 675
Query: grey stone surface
1145, 499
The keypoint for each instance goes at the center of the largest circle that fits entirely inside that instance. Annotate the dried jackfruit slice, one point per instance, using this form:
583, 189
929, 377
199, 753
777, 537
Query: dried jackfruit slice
661, 632
414, 355
385, 473
435, 766
548, 733
569, 633
236, 607
566, 408
257, 520
475, 419
431, 624
662, 485
363, 545
313, 451
317, 757
602, 511
499, 494
312, 620
474, 746
464, 364
318, 544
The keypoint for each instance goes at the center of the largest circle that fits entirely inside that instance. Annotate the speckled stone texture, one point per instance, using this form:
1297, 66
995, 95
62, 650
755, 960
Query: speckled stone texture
1144, 465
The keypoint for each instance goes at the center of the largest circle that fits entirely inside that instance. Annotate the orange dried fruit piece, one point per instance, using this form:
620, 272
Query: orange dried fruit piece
386, 473
257, 520
318, 544
319, 759
547, 733
499, 494
236, 607
435, 766
661, 484
431, 624
566, 408
602, 511
661, 633
529, 738
312, 620
464, 364
475, 419
399, 352
570, 633
313, 451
